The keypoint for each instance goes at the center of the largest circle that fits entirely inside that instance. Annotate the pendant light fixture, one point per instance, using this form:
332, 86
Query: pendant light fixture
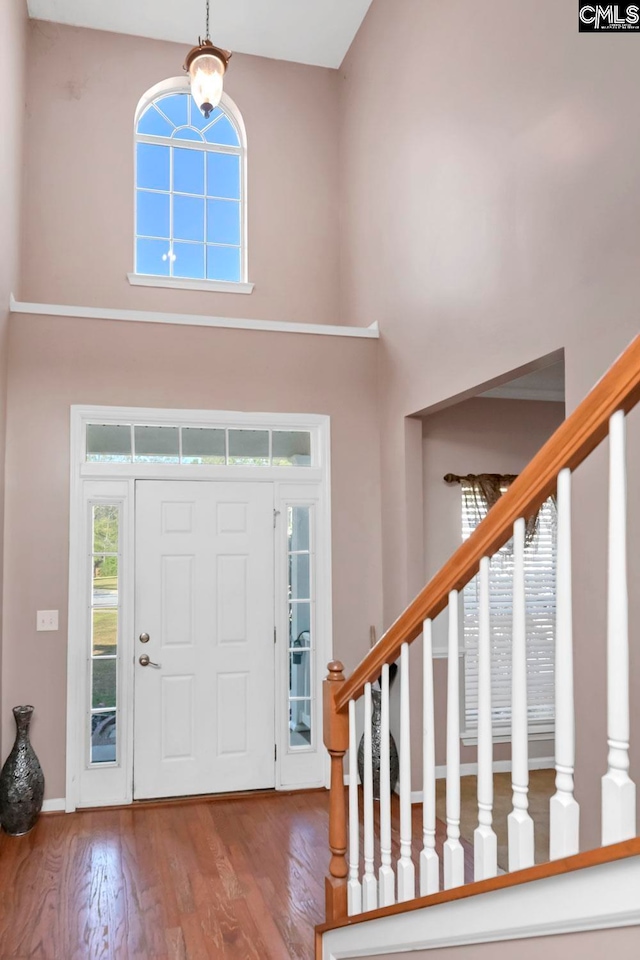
206, 66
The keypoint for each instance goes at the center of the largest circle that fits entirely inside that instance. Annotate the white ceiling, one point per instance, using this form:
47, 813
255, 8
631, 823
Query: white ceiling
318, 32
544, 384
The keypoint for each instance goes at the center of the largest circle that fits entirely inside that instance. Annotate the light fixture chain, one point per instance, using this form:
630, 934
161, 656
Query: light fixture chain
207, 36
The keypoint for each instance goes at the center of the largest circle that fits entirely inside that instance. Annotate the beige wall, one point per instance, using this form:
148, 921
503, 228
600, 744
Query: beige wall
491, 204
482, 435
623, 944
13, 27
78, 209
58, 362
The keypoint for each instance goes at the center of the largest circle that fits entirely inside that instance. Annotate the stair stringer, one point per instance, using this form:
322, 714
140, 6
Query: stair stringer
595, 898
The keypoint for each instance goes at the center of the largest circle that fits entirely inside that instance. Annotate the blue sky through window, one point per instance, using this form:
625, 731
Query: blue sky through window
188, 170
223, 221
155, 124
223, 176
152, 257
222, 132
153, 166
153, 214
189, 260
176, 108
188, 218
188, 200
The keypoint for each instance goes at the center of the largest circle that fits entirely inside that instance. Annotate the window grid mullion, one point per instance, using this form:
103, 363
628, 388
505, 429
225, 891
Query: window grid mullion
183, 193
171, 196
196, 243
206, 218
190, 144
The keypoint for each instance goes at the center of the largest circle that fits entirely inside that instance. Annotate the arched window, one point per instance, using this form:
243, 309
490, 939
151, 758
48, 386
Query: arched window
190, 191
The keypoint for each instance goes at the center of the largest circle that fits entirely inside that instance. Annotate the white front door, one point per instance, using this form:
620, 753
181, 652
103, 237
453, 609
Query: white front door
204, 706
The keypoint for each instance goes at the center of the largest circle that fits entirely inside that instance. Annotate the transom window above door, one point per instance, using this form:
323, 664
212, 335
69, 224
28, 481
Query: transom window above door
210, 445
190, 196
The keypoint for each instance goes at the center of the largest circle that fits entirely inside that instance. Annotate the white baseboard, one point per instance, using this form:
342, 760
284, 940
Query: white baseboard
54, 806
499, 766
471, 770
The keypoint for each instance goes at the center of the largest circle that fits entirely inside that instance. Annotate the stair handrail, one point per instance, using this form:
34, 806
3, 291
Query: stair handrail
573, 441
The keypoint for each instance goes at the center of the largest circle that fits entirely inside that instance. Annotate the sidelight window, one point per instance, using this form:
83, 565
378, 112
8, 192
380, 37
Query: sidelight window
104, 563
301, 598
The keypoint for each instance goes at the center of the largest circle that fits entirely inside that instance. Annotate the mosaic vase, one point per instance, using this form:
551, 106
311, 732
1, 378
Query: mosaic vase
21, 780
376, 740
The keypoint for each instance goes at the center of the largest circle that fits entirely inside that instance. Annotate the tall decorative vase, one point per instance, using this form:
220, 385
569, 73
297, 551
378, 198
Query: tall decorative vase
21, 780
376, 740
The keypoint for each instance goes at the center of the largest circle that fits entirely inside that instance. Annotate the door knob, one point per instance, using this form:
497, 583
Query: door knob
145, 661
144, 638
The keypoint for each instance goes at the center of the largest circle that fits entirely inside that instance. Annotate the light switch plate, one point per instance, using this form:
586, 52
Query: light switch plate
47, 620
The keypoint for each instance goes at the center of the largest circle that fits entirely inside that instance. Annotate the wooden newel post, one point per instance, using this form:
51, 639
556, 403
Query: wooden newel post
336, 740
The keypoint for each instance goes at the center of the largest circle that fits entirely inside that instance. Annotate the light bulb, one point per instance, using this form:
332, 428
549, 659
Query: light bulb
206, 72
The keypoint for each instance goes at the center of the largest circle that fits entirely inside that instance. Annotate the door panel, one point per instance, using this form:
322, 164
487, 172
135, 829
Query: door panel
204, 716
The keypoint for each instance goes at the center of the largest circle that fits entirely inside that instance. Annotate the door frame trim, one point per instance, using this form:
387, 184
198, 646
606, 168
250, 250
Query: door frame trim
112, 784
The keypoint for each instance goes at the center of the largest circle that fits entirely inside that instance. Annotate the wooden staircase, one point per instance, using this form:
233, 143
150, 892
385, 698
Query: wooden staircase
356, 896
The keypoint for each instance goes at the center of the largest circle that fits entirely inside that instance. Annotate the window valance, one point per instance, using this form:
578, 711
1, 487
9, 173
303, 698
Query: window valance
487, 488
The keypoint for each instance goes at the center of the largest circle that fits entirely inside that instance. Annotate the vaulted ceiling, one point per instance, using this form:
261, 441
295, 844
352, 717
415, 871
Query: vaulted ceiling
317, 32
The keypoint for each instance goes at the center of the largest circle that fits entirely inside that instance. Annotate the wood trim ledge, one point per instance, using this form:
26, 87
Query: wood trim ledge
192, 319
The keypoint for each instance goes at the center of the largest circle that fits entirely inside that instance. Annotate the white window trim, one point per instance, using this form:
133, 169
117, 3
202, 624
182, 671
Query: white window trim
244, 286
112, 784
183, 283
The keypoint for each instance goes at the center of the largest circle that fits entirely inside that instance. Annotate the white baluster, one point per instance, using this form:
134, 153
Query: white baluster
618, 790
485, 841
564, 810
369, 883
453, 850
386, 876
354, 889
429, 860
520, 824
406, 869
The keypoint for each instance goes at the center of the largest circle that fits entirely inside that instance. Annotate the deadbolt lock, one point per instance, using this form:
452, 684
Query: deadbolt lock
144, 638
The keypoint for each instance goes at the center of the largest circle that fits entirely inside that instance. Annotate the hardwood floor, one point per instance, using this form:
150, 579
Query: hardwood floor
542, 786
217, 878
237, 878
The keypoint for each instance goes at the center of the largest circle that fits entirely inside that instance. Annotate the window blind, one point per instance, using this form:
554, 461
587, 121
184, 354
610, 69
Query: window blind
540, 579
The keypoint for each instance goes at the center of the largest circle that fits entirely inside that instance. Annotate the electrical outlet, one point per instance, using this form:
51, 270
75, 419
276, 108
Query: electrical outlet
47, 620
